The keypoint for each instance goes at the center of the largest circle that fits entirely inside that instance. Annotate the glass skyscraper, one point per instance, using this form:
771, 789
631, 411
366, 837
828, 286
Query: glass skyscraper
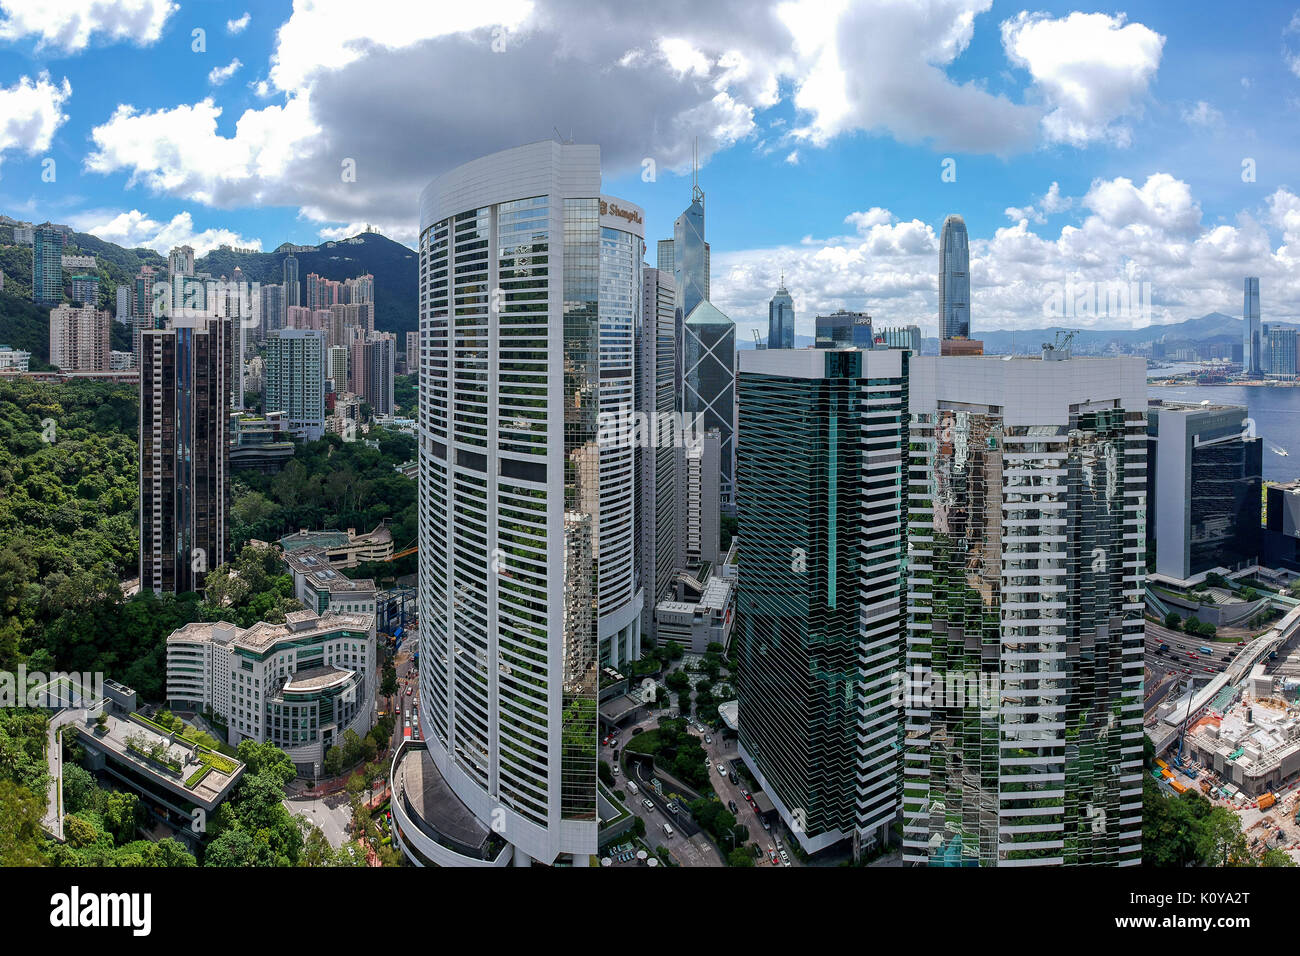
820, 602
47, 265
1026, 528
709, 360
954, 280
780, 319
842, 330
1252, 348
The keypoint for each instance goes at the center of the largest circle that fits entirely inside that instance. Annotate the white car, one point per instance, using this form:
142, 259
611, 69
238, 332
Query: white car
722, 769
615, 770
785, 858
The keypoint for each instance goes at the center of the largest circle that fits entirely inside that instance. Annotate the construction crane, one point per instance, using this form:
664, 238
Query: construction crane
758, 343
410, 549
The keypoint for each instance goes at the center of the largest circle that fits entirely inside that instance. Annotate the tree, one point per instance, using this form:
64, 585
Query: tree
388, 683
267, 758
740, 856
1172, 620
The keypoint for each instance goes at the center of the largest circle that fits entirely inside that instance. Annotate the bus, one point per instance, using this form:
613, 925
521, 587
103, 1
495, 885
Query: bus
1205, 650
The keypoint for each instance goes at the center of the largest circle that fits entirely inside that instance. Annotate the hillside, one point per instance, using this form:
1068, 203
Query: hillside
394, 266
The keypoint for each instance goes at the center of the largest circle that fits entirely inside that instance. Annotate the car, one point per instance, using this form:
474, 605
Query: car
731, 805
732, 777
775, 859
668, 830
631, 785
722, 769
615, 770
648, 804
766, 825
708, 739
637, 730
613, 741
410, 688
744, 793
785, 858
671, 807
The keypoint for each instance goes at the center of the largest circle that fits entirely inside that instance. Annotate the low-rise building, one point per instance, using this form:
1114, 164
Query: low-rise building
299, 685
697, 624
345, 550
321, 588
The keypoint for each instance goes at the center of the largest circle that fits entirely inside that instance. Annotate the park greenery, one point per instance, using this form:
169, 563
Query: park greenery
1187, 830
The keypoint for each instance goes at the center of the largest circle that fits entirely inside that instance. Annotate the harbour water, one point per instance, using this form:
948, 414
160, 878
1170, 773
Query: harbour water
1275, 411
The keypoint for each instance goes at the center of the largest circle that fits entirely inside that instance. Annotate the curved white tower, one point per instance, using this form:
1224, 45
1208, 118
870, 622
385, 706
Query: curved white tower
530, 282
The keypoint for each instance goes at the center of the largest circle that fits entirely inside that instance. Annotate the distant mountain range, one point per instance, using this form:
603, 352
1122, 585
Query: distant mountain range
1214, 325
394, 266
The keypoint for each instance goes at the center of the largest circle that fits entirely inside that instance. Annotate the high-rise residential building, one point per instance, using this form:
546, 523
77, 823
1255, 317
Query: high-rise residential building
180, 261
843, 329
123, 314
47, 265
820, 604
146, 310
662, 453
185, 377
372, 363
1282, 353
709, 385
1027, 487
780, 319
273, 309
527, 563
79, 339
412, 352
954, 280
337, 367
1204, 483
295, 380
85, 290
292, 287
1253, 344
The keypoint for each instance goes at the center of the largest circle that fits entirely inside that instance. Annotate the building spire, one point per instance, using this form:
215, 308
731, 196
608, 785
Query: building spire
697, 194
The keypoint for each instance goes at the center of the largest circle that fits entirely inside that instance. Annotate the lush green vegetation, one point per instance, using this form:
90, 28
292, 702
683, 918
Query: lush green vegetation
406, 395
330, 484
676, 751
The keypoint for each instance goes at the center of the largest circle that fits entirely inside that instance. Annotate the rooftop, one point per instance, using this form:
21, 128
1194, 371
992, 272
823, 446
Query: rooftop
263, 635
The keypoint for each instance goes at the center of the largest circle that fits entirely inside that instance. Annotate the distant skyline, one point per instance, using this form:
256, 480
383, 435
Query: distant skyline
1078, 143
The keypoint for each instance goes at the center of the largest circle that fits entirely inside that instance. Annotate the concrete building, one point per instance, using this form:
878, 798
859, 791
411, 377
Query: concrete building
345, 549
47, 265
1204, 482
321, 588
299, 685
79, 339
295, 380
527, 550
14, 360
696, 624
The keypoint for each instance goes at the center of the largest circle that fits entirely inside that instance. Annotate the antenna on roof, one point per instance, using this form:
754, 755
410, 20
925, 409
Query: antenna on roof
697, 194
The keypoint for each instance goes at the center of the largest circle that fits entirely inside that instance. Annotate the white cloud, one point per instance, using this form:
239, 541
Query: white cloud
1050, 203
793, 157
1127, 234
1202, 114
135, 229
1091, 69
71, 25
219, 74
31, 112
234, 27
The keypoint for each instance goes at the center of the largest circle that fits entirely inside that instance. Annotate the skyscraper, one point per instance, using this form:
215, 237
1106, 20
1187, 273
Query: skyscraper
79, 338
823, 438
954, 280
1253, 346
1025, 629
527, 563
47, 265
295, 380
780, 319
709, 387
185, 377
292, 288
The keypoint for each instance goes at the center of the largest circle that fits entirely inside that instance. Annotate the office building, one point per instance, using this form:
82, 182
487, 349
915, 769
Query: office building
47, 265
319, 587
1204, 481
902, 337
295, 380
780, 319
823, 440
843, 329
709, 381
702, 479
1027, 485
527, 563
1253, 343
185, 375
300, 685
954, 280
79, 339
705, 619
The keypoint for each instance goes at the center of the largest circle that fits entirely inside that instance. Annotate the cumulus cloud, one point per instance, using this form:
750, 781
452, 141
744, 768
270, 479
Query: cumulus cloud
219, 74
1091, 69
71, 25
235, 27
135, 229
1050, 203
1121, 233
31, 111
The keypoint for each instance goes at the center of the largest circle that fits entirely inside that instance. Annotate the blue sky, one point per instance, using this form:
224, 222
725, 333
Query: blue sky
824, 125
